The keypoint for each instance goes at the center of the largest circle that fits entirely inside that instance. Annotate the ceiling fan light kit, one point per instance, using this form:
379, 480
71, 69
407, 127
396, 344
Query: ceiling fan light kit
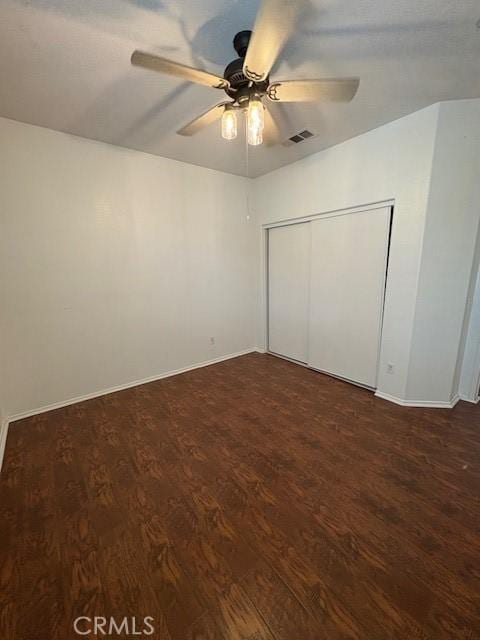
246, 79
229, 123
255, 120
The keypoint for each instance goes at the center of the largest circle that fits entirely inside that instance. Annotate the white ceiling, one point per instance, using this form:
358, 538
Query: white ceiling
65, 64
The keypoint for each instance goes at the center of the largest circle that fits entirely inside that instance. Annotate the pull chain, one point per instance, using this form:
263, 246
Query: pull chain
247, 169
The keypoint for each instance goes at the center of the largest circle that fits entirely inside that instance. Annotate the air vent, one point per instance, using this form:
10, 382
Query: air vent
305, 134
299, 137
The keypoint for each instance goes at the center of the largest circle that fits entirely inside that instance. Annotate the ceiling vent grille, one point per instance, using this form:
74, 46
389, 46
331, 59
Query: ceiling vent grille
299, 137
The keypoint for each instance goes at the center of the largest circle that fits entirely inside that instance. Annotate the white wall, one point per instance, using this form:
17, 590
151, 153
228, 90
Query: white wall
391, 162
114, 266
470, 371
448, 252
117, 266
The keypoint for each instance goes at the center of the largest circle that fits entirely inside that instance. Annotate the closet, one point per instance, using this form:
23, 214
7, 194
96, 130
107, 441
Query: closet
326, 284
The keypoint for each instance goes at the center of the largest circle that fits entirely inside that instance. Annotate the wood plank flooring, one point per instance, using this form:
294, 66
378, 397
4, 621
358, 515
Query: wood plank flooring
252, 499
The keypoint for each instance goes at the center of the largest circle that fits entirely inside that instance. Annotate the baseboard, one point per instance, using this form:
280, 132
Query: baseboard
3, 438
456, 398
122, 387
260, 350
429, 404
467, 399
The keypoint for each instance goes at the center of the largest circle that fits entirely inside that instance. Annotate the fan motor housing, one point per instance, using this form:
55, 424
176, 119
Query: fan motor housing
240, 86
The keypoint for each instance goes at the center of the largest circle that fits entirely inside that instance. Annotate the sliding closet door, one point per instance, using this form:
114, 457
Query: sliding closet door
347, 281
288, 290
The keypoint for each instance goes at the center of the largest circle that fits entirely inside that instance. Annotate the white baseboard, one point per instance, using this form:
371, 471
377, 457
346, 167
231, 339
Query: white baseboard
3, 438
122, 387
429, 404
467, 399
260, 350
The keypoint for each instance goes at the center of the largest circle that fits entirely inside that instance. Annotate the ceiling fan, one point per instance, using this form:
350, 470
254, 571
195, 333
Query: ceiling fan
246, 80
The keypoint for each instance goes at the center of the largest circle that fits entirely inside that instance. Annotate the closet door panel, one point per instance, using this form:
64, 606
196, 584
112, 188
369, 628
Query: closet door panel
347, 282
288, 290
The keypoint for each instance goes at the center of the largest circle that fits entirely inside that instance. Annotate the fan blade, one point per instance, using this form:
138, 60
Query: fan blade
332, 89
155, 63
193, 127
274, 24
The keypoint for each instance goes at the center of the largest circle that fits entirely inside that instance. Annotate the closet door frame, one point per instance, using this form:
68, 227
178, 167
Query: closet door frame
320, 216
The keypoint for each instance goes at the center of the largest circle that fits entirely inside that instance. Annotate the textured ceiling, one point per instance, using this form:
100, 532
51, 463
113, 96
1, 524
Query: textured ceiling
65, 64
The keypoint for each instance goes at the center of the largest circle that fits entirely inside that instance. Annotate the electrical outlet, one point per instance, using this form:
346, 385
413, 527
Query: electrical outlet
212, 340
390, 368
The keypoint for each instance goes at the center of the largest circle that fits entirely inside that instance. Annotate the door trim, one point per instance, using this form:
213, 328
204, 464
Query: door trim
330, 214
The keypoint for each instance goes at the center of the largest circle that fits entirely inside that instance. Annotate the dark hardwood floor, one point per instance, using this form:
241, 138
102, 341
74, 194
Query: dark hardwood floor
252, 499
